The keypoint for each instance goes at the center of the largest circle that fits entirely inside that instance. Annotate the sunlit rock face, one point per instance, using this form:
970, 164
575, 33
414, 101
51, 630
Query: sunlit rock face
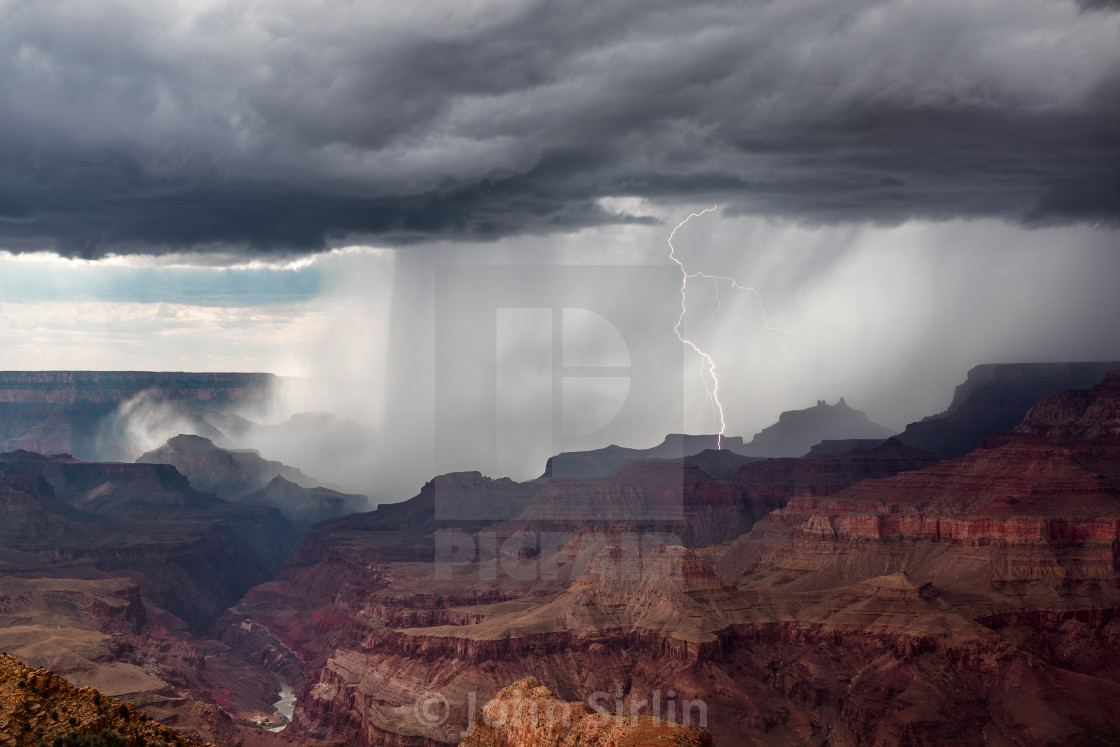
528, 714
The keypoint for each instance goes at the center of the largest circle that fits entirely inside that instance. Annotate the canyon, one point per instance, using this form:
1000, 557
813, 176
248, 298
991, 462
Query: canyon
871, 592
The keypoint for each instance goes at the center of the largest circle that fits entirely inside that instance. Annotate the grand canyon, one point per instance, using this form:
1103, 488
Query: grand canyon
522, 373
955, 583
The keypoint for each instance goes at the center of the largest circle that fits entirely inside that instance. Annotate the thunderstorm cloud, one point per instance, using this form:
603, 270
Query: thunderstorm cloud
253, 126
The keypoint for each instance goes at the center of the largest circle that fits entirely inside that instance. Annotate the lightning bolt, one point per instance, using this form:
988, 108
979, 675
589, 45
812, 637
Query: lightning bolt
706, 360
735, 285
713, 391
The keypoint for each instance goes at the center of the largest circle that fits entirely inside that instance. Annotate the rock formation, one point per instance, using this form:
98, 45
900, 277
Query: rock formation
797, 431
793, 435
528, 714
243, 476
100, 629
305, 504
37, 706
994, 577
609, 460
877, 595
835, 446
993, 399
227, 473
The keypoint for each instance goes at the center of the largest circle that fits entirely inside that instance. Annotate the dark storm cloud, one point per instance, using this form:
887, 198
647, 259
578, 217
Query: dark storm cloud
282, 126
1101, 5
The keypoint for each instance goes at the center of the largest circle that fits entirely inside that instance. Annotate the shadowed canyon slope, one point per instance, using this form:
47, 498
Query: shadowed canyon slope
243, 476
994, 398
196, 553
111, 574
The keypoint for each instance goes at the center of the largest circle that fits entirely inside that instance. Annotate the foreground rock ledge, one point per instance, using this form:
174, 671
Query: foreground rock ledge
36, 705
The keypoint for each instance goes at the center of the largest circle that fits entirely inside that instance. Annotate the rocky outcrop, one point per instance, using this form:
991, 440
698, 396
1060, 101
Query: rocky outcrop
778, 480
37, 706
114, 489
887, 659
647, 497
793, 435
719, 462
655, 496
837, 446
227, 473
528, 714
243, 476
461, 501
797, 431
680, 499
370, 625
1077, 416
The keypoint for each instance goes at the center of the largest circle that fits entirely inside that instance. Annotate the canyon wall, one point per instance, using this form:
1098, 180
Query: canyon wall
994, 398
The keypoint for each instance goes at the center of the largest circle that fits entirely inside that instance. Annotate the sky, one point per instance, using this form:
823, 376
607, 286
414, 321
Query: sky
365, 194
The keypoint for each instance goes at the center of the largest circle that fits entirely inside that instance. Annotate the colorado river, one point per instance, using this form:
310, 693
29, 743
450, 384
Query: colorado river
286, 705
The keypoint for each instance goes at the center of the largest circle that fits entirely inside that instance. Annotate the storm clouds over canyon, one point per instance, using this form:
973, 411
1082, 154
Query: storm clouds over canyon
521, 373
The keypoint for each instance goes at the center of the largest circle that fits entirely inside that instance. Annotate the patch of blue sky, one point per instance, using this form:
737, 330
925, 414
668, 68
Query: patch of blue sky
23, 281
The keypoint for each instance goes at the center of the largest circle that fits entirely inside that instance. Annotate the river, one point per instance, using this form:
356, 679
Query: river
286, 705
